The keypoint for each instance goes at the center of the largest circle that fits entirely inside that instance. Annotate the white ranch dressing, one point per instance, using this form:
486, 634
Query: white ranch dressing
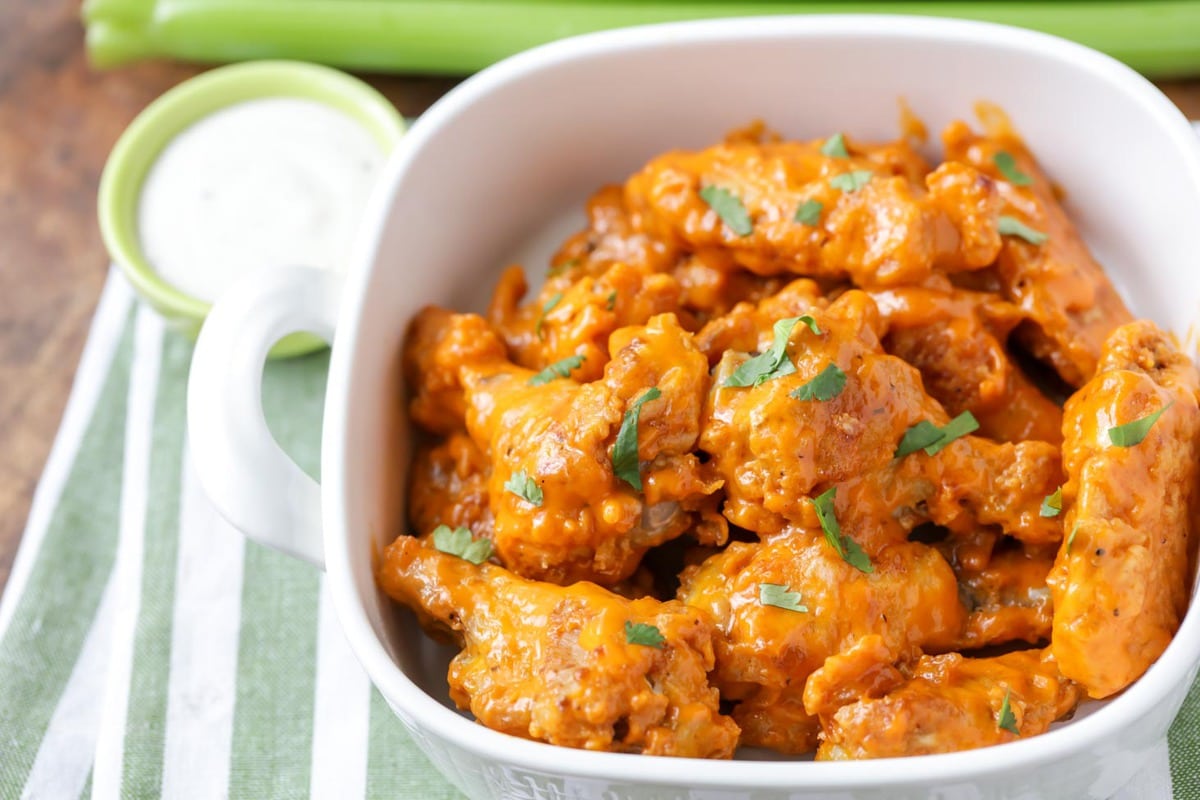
267, 182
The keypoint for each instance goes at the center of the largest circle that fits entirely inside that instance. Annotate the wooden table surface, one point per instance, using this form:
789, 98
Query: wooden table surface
58, 121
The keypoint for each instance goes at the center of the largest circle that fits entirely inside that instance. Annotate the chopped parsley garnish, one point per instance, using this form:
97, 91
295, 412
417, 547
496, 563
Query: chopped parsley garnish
1007, 721
524, 487
729, 208
918, 437
811, 324
773, 363
643, 634
625, 451
846, 547
956, 428
554, 300
809, 212
458, 542
1011, 226
835, 147
1071, 538
570, 263
1052, 504
559, 369
930, 438
851, 181
826, 385
1132, 433
610, 302
1008, 167
778, 595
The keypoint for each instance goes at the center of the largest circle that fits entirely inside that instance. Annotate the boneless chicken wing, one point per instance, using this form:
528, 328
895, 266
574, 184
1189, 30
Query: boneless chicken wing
882, 220
956, 338
581, 520
1068, 303
1002, 583
439, 343
948, 703
775, 449
766, 653
577, 666
449, 486
575, 315
1120, 577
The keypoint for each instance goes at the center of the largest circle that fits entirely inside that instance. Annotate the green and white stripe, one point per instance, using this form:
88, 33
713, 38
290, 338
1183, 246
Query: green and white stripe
147, 650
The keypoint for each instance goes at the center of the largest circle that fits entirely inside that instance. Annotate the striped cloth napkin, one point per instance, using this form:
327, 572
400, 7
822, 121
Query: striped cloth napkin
147, 649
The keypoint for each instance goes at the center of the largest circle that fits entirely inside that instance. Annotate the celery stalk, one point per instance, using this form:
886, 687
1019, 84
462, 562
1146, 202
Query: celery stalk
1158, 37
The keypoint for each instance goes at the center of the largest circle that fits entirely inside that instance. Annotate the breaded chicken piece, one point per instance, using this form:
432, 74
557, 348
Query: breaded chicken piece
766, 653
891, 224
574, 314
609, 238
1068, 304
437, 345
947, 703
1120, 581
775, 450
448, 485
748, 326
1003, 585
956, 339
585, 522
576, 666
711, 284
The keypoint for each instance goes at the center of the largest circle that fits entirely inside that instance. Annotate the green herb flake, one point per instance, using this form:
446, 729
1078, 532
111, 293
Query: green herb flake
846, 547
559, 369
729, 208
835, 147
810, 323
779, 596
956, 428
524, 487
458, 542
1009, 169
1052, 504
554, 300
826, 385
773, 363
1132, 433
1007, 721
851, 181
1011, 226
625, 451
932, 439
555, 271
809, 212
643, 634
1071, 538
918, 437
610, 302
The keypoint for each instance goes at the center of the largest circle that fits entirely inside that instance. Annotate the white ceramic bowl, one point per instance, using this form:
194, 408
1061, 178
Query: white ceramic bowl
485, 174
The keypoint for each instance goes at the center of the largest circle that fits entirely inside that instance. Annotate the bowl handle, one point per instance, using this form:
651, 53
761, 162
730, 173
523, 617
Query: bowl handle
251, 481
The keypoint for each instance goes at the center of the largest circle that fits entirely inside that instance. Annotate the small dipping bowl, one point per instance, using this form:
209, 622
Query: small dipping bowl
189, 102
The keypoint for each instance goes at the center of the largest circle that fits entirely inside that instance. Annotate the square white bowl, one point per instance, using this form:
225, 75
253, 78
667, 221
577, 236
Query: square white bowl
488, 171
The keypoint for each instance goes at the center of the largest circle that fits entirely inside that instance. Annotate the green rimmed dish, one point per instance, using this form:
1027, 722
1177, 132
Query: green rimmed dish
172, 113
